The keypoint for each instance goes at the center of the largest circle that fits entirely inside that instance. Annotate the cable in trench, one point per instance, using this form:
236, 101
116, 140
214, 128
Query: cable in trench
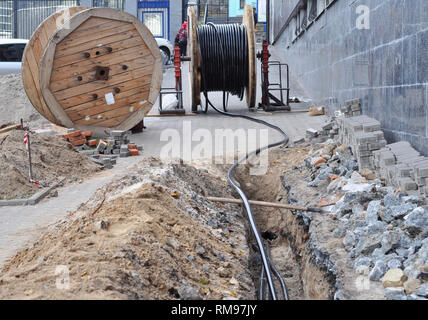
224, 57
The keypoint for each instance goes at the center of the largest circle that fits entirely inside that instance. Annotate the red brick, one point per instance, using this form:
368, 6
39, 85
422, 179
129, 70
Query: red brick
87, 133
132, 146
78, 142
72, 134
77, 138
92, 143
319, 161
332, 177
134, 152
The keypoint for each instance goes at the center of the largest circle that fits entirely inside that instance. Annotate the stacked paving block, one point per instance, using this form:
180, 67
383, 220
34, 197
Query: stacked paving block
330, 129
107, 150
400, 165
352, 108
311, 133
364, 135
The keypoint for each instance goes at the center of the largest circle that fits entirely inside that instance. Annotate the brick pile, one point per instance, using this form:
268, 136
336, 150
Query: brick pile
330, 129
364, 135
402, 166
398, 164
107, 150
77, 138
352, 108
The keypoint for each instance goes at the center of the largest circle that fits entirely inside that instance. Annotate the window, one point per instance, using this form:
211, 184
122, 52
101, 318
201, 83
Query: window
242, 4
321, 7
303, 19
11, 52
312, 9
155, 22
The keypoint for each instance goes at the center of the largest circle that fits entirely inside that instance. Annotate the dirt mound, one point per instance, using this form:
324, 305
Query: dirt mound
53, 158
14, 103
149, 235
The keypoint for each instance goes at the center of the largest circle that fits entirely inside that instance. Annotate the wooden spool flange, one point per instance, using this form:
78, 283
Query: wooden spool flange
101, 70
33, 53
195, 63
195, 60
250, 89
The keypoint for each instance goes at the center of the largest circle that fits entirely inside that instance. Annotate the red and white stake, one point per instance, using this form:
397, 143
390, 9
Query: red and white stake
27, 143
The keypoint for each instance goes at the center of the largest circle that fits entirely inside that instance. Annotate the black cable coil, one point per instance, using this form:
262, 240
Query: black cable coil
224, 57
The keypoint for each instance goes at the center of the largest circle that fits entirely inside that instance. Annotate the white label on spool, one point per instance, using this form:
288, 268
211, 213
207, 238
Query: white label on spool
109, 98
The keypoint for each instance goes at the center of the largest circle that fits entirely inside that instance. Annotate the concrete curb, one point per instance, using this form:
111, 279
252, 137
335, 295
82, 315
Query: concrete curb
36, 198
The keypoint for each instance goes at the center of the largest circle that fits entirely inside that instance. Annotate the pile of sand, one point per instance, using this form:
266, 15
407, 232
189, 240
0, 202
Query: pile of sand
15, 105
149, 235
53, 158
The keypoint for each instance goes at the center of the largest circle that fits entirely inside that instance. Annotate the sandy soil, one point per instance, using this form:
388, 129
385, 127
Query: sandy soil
152, 235
15, 105
53, 159
149, 235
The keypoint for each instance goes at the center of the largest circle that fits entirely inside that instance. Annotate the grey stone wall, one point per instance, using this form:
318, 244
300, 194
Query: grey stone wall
386, 66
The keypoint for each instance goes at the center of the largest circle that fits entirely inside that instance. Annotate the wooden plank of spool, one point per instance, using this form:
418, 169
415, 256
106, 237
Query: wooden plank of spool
195, 60
31, 58
123, 61
250, 90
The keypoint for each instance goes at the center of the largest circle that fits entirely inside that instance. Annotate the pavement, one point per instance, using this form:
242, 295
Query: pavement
294, 122
177, 136
22, 225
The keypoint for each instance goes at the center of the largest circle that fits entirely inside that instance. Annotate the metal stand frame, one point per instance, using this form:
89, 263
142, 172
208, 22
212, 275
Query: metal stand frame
277, 104
177, 90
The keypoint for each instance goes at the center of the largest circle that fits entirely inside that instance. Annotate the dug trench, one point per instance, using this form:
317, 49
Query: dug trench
285, 233
153, 235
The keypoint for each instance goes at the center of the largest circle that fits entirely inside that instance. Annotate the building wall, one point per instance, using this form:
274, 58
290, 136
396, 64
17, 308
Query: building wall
281, 10
235, 7
386, 65
175, 12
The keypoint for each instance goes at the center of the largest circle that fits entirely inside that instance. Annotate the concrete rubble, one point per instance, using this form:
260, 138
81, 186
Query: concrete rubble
383, 220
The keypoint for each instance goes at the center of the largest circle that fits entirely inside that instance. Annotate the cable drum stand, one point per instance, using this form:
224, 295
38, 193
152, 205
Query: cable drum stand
278, 104
227, 47
177, 90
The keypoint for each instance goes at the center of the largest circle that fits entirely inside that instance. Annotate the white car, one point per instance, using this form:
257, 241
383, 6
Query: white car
11, 51
166, 48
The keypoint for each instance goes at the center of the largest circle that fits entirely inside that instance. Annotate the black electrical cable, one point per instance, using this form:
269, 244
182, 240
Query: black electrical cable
224, 48
225, 53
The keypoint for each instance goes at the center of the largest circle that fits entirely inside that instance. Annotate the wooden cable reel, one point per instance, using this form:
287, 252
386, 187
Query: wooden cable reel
195, 63
92, 68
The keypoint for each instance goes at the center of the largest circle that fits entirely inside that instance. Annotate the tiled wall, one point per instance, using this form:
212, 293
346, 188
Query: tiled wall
385, 66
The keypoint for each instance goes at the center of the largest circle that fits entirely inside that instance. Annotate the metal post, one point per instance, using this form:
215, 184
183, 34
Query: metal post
268, 21
15, 18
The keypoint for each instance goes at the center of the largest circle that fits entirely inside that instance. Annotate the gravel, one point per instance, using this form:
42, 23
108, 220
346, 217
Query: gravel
378, 271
